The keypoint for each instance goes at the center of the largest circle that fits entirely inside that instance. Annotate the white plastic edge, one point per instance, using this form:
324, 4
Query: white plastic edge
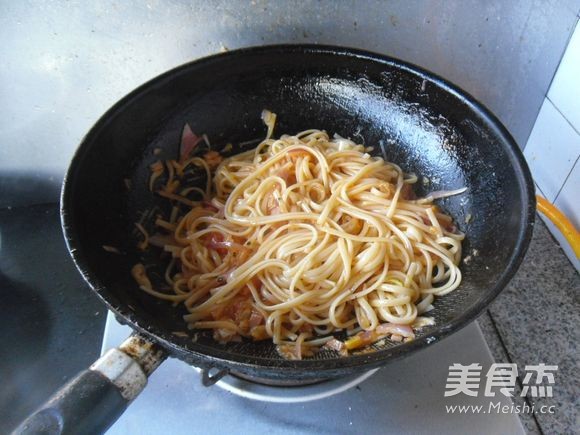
123, 371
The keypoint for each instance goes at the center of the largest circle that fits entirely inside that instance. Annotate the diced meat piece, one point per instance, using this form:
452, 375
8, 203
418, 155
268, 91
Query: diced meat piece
259, 333
337, 346
256, 319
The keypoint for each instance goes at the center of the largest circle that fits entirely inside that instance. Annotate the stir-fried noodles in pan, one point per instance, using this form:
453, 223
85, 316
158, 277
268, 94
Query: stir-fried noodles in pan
299, 239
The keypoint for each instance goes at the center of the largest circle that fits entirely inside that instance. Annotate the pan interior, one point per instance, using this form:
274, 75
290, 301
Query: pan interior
411, 118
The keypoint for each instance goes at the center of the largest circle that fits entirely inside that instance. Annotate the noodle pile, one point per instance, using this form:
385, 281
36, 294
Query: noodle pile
305, 236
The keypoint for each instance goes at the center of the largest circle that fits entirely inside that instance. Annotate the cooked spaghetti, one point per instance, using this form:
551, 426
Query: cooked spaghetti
303, 237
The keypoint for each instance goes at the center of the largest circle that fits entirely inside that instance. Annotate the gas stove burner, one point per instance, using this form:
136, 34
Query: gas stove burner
391, 401
288, 392
278, 382
252, 388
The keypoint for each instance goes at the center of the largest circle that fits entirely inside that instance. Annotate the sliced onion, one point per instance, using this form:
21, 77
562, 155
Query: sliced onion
269, 119
213, 244
421, 321
160, 240
393, 328
342, 142
423, 306
442, 194
189, 141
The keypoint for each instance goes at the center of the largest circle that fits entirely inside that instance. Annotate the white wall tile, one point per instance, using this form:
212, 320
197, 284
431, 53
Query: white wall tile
552, 150
568, 201
565, 89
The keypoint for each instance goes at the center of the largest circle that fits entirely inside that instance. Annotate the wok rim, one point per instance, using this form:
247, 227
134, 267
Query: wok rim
214, 356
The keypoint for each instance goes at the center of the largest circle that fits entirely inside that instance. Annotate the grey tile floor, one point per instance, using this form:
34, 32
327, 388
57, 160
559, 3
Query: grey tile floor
535, 320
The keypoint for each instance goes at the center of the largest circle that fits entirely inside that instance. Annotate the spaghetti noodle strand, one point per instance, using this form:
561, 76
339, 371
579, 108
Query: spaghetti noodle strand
308, 234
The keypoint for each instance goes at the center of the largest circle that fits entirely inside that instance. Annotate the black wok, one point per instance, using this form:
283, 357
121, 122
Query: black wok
411, 117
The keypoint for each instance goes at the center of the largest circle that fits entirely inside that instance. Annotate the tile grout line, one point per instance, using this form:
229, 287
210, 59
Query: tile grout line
563, 116
566, 179
519, 381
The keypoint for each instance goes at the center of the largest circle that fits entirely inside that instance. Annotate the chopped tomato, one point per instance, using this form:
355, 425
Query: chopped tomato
407, 192
245, 292
449, 226
218, 312
256, 281
213, 159
296, 154
286, 174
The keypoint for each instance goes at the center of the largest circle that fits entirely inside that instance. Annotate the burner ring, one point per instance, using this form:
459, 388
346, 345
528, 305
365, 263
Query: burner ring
257, 389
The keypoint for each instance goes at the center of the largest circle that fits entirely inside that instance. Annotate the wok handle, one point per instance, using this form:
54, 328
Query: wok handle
96, 398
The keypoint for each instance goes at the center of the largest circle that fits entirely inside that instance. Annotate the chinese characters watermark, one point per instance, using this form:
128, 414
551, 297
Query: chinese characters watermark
500, 378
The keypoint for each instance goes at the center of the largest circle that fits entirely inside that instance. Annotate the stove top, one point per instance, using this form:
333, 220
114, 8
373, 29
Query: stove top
404, 397
51, 324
